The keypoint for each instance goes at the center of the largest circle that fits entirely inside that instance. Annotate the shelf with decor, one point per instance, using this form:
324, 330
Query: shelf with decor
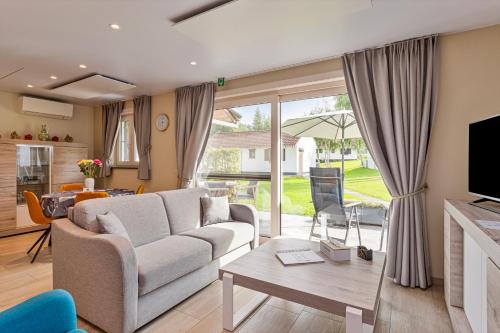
37, 166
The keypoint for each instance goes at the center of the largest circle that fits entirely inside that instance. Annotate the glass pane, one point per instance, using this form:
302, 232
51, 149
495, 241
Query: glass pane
124, 154
237, 161
307, 193
33, 170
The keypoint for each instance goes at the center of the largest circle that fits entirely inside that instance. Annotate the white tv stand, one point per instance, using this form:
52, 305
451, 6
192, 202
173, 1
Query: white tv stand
471, 268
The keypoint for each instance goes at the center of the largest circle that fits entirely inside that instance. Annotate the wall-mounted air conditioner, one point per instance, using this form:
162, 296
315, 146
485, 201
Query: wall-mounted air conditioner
45, 108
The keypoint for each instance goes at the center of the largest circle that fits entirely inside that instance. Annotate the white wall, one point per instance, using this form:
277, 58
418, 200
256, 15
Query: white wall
254, 165
370, 163
291, 163
309, 154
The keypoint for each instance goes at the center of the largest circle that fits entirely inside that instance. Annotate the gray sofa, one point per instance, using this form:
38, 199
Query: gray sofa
120, 285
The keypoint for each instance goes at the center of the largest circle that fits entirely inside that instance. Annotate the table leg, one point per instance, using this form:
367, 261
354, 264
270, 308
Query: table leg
231, 320
354, 321
227, 302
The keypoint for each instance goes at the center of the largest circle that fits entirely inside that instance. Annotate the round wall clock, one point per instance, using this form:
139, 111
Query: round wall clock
162, 122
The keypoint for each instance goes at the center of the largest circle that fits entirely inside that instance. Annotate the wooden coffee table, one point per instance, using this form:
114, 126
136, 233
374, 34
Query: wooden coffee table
349, 288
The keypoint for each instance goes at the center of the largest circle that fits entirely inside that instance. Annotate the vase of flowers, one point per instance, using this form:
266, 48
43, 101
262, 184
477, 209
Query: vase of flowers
90, 169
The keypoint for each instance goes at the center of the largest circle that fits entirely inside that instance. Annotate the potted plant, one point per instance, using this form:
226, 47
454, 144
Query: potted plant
90, 169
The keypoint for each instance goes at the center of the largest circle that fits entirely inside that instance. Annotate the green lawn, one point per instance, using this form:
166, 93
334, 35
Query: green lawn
296, 197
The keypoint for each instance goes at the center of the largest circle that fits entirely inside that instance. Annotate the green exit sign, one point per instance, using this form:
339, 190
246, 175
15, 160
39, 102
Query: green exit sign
220, 82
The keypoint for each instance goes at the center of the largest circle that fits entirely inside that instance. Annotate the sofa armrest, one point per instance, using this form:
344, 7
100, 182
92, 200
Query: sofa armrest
246, 213
100, 272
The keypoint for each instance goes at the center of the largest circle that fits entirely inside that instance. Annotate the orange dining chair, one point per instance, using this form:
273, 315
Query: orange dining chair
71, 187
140, 189
90, 195
37, 216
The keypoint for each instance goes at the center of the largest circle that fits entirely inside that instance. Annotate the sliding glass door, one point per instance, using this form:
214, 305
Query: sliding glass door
254, 156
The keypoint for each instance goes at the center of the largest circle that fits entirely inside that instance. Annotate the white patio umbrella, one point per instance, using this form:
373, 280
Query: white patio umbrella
338, 125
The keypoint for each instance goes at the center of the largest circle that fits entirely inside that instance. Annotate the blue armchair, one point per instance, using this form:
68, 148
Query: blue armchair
51, 312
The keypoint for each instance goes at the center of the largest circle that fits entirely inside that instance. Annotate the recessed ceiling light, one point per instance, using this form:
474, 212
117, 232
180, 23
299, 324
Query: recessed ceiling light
193, 63
53, 77
83, 66
114, 26
29, 86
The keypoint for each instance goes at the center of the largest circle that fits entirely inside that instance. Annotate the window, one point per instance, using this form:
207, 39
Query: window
267, 154
284, 155
251, 154
125, 151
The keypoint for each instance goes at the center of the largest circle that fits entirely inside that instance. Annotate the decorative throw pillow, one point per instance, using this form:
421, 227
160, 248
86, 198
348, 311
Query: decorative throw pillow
109, 223
215, 209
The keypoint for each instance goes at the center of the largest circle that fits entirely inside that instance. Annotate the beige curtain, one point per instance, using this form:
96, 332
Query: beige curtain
111, 114
393, 91
194, 112
142, 126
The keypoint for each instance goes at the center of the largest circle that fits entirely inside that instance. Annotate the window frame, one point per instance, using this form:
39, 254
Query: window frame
275, 93
127, 114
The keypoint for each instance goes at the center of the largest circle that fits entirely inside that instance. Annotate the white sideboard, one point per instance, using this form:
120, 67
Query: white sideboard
471, 268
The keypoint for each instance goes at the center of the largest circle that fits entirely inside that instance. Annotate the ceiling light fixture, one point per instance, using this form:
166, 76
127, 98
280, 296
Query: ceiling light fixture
53, 77
114, 26
83, 66
29, 86
193, 63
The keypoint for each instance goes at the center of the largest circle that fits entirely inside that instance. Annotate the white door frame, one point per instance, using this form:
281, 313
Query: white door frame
224, 99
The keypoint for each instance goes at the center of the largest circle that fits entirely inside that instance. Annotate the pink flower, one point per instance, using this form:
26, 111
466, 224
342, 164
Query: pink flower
98, 162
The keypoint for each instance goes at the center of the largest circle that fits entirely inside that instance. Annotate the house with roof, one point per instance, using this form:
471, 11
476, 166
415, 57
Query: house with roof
254, 147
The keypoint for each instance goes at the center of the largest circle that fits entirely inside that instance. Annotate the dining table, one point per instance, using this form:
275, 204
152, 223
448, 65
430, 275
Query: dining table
56, 205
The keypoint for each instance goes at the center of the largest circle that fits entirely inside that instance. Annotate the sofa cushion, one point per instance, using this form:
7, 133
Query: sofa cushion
224, 237
143, 216
110, 224
168, 259
183, 208
215, 210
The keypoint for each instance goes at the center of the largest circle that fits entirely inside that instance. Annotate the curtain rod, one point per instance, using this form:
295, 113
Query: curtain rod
391, 43
124, 100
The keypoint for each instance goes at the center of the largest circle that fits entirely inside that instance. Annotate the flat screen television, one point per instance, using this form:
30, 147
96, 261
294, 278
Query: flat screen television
484, 158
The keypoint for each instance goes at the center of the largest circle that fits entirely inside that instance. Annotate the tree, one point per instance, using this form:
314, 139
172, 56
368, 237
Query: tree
257, 123
221, 160
266, 123
342, 102
260, 122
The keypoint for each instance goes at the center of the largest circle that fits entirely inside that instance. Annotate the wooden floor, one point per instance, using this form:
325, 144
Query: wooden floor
401, 309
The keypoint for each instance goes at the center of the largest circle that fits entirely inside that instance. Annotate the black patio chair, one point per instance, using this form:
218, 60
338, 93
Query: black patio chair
328, 202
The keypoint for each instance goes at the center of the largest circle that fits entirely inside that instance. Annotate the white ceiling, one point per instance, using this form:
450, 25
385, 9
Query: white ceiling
52, 37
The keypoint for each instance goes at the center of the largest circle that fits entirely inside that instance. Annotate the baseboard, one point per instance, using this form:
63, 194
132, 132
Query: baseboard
437, 281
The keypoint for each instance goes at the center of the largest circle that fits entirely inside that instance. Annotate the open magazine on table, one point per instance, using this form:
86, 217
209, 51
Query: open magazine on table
298, 256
